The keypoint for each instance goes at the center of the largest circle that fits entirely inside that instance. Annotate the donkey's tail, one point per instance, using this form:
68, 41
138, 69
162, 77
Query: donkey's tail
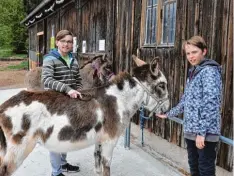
3, 145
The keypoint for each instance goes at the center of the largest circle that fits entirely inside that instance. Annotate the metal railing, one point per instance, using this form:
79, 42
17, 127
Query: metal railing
177, 120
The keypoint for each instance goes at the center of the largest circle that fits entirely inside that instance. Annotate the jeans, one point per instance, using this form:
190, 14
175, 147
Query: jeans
202, 161
56, 160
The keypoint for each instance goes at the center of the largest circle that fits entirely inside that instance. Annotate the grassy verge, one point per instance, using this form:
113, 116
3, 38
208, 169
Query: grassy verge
22, 66
6, 53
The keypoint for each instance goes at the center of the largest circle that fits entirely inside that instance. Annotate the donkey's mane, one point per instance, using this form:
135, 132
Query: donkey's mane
120, 78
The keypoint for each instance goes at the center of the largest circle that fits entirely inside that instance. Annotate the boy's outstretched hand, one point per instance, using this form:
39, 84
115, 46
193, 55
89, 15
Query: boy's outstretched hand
162, 116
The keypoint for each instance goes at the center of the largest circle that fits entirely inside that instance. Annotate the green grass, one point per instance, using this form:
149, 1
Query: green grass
6, 53
22, 66
19, 56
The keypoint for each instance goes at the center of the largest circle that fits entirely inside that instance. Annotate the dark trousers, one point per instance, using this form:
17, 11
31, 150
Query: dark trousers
202, 161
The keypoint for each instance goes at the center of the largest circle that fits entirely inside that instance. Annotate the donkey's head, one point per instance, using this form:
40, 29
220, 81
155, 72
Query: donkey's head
98, 71
153, 81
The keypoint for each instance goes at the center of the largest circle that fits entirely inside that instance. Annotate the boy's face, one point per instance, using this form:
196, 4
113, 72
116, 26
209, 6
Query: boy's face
65, 45
194, 54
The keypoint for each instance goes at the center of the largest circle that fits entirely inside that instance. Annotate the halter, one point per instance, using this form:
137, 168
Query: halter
149, 94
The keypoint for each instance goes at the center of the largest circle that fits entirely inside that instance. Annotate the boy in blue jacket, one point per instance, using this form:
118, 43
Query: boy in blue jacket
200, 104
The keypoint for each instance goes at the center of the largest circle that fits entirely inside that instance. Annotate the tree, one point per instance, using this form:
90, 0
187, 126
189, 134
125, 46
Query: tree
11, 32
30, 5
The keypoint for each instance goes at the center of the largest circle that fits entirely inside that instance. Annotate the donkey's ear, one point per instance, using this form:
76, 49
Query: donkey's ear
154, 69
138, 61
154, 66
104, 59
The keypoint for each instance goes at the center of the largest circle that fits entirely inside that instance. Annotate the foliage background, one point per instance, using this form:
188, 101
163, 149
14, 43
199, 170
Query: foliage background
13, 35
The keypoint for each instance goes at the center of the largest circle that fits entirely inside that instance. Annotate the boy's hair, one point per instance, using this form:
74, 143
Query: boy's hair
197, 41
61, 34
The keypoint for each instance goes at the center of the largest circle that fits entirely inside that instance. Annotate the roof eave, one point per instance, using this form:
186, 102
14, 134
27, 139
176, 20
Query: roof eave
41, 5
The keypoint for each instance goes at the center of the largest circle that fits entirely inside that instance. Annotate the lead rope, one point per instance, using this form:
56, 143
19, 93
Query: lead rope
142, 122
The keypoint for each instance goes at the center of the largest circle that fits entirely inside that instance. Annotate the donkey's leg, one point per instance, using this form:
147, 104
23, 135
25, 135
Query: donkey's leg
17, 151
107, 151
98, 157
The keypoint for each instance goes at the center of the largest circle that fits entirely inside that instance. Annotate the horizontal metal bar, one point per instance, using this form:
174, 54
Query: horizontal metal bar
227, 140
180, 121
222, 138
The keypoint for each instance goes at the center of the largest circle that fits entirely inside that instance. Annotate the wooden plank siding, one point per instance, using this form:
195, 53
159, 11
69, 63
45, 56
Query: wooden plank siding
225, 156
121, 23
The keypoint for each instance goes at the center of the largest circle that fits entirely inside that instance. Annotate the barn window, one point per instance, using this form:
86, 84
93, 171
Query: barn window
169, 19
151, 21
158, 23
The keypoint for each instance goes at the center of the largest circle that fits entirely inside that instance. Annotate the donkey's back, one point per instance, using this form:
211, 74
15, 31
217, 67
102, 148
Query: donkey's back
60, 123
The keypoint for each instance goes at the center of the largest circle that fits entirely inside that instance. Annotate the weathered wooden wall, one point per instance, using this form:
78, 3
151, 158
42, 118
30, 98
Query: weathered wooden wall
118, 22
210, 18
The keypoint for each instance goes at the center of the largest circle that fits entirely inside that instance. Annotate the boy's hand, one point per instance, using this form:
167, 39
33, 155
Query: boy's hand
74, 94
162, 116
200, 142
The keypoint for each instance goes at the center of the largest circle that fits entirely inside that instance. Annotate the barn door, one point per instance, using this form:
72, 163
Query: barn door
40, 48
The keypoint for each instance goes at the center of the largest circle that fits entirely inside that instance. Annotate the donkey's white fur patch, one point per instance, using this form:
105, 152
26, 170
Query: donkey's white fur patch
35, 109
123, 99
99, 115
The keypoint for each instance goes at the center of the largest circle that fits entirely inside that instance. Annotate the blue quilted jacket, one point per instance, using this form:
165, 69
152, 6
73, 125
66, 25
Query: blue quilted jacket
201, 102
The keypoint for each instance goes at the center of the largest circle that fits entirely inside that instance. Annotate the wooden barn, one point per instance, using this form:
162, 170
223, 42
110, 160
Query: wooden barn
120, 28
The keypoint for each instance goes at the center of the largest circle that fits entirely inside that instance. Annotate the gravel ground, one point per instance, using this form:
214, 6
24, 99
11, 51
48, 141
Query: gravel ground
11, 78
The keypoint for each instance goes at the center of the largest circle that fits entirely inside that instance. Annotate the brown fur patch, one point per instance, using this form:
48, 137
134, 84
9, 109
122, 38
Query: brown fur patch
25, 123
44, 135
120, 77
98, 127
3, 144
5, 122
33, 79
68, 133
143, 72
111, 118
3, 170
106, 167
17, 138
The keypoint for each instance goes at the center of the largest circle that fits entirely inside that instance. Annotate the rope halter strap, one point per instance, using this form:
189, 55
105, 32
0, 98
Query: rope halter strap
149, 94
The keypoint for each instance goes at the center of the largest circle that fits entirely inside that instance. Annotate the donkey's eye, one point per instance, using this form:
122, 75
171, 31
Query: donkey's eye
108, 67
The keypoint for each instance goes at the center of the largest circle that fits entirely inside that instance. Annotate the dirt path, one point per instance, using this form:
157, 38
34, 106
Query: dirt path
11, 78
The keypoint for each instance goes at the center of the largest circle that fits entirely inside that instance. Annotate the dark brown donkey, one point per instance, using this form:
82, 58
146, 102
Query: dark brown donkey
95, 72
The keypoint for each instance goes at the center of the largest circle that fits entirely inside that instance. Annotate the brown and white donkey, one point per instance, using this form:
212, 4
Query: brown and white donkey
63, 124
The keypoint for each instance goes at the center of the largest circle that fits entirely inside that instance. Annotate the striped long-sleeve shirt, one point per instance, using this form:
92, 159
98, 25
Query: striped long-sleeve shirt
57, 75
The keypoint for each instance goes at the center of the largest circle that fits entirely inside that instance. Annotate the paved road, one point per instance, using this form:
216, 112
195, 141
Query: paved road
134, 162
